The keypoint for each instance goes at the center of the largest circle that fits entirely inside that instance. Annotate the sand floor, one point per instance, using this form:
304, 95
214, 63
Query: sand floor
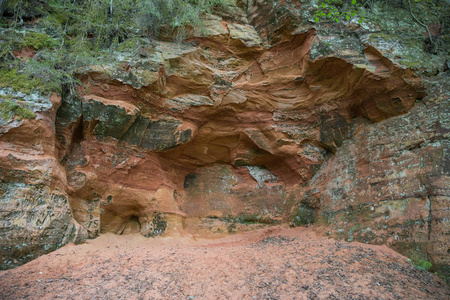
271, 263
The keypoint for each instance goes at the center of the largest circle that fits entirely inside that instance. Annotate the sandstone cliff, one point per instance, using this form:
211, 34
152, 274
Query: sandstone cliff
263, 117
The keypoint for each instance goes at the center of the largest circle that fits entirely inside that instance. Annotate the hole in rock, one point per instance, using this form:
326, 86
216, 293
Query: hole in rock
132, 225
134, 219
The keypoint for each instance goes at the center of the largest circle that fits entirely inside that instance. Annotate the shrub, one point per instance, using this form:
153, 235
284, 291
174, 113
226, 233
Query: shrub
72, 34
423, 264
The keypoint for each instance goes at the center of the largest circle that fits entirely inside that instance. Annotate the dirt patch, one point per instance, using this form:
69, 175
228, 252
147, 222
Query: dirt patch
273, 263
24, 53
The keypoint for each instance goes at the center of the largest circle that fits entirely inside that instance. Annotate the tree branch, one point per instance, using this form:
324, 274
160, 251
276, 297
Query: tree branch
417, 20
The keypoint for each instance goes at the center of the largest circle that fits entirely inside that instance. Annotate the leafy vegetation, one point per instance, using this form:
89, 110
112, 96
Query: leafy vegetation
69, 34
37, 41
66, 35
30, 77
422, 264
106, 22
337, 10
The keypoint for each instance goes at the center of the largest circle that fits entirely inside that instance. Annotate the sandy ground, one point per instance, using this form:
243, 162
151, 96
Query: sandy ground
272, 263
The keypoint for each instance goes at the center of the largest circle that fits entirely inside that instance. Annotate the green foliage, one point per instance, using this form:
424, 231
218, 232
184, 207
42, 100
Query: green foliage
72, 34
9, 109
423, 264
107, 22
337, 10
42, 76
13, 39
420, 263
11, 78
23, 9
37, 41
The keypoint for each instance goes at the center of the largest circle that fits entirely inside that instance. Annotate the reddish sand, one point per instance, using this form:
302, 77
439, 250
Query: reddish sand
272, 263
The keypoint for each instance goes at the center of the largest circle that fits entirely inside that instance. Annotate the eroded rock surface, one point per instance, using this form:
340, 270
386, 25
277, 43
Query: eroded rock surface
390, 183
35, 217
198, 139
251, 121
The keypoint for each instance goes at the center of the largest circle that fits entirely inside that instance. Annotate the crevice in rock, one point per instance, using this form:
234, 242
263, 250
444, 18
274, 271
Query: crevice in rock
429, 218
77, 135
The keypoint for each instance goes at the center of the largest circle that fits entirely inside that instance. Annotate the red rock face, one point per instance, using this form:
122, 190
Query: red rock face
389, 184
224, 130
34, 208
244, 125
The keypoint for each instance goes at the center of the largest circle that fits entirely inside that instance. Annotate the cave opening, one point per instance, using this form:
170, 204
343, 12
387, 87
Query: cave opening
133, 225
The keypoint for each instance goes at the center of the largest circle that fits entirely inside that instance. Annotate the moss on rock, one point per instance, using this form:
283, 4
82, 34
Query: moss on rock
10, 109
37, 41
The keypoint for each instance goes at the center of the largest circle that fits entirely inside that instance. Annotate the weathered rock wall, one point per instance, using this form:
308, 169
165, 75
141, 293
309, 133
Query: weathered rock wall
35, 216
194, 138
389, 183
251, 122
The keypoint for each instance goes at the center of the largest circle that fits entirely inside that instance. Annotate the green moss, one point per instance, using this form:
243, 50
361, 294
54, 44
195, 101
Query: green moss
304, 215
411, 63
10, 109
12, 39
32, 77
38, 41
250, 219
129, 45
423, 264
11, 78
6, 97
326, 218
375, 37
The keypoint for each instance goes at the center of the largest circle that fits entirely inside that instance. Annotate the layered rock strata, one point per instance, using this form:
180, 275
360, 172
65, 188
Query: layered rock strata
35, 215
216, 130
250, 122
